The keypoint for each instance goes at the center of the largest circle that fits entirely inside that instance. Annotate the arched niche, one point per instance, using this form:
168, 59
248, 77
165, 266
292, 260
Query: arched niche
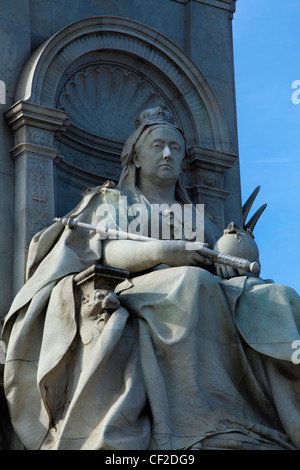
75, 104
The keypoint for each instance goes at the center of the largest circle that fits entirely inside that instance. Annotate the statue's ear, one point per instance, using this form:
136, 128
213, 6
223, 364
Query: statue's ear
135, 159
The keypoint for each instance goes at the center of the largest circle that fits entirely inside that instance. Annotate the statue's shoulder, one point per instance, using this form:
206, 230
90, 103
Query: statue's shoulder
107, 192
107, 186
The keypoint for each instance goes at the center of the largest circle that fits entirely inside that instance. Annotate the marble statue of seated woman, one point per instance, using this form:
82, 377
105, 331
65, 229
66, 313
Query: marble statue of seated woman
198, 357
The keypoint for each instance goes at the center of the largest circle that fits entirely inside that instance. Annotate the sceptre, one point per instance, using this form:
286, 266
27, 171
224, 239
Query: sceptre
216, 257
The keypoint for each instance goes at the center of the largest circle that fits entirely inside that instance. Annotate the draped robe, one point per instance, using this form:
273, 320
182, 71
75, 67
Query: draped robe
189, 359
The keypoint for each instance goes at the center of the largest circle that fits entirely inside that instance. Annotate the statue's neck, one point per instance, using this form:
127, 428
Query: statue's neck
158, 194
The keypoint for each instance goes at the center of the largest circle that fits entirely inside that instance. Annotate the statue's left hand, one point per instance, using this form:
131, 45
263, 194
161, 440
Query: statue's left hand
227, 272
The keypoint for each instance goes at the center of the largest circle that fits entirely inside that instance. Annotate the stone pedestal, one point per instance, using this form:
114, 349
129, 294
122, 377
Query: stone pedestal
87, 282
95, 302
98, 276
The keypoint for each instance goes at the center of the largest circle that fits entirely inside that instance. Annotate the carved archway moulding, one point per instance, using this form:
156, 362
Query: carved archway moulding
46, 126
50, 65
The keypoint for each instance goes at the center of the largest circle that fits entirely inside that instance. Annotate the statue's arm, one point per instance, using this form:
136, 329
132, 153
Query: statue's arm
135, 256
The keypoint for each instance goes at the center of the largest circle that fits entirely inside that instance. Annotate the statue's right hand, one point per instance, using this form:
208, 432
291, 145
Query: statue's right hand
136, 256
175, 253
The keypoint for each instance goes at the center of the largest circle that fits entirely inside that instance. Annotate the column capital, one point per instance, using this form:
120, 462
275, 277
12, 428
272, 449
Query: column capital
24, 113
228, 5
210, 159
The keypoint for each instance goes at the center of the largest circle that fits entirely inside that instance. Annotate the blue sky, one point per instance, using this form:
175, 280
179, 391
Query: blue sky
266, 38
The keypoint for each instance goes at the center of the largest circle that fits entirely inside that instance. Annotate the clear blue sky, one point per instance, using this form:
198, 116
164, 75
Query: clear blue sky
267, 62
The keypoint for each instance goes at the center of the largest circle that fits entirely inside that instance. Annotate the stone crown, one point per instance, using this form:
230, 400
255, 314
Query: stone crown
155, 115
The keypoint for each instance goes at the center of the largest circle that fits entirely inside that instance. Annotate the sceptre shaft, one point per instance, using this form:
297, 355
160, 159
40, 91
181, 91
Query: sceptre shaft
215, 256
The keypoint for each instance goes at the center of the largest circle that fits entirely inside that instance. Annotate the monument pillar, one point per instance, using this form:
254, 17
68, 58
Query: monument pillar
34, 127
208, 168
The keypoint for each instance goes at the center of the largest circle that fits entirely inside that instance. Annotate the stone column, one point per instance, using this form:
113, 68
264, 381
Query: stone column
34, 153
207, 170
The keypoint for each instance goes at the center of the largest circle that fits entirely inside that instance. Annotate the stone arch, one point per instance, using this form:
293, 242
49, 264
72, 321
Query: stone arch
180, 79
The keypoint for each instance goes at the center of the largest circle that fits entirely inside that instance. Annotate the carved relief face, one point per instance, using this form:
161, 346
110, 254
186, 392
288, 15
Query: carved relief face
94, 304
159, 158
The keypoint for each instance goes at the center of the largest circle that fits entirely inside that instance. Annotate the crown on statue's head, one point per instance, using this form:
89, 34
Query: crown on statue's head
155, 115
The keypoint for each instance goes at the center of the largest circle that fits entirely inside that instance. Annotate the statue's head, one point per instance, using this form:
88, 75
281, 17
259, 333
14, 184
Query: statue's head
151, 122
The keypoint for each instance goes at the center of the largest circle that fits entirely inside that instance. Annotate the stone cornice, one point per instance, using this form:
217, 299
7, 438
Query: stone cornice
33, 150
209, 159
224, 4
199, 191
25, 113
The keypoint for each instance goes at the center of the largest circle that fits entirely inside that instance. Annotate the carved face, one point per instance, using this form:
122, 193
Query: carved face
160, 155
99, 301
